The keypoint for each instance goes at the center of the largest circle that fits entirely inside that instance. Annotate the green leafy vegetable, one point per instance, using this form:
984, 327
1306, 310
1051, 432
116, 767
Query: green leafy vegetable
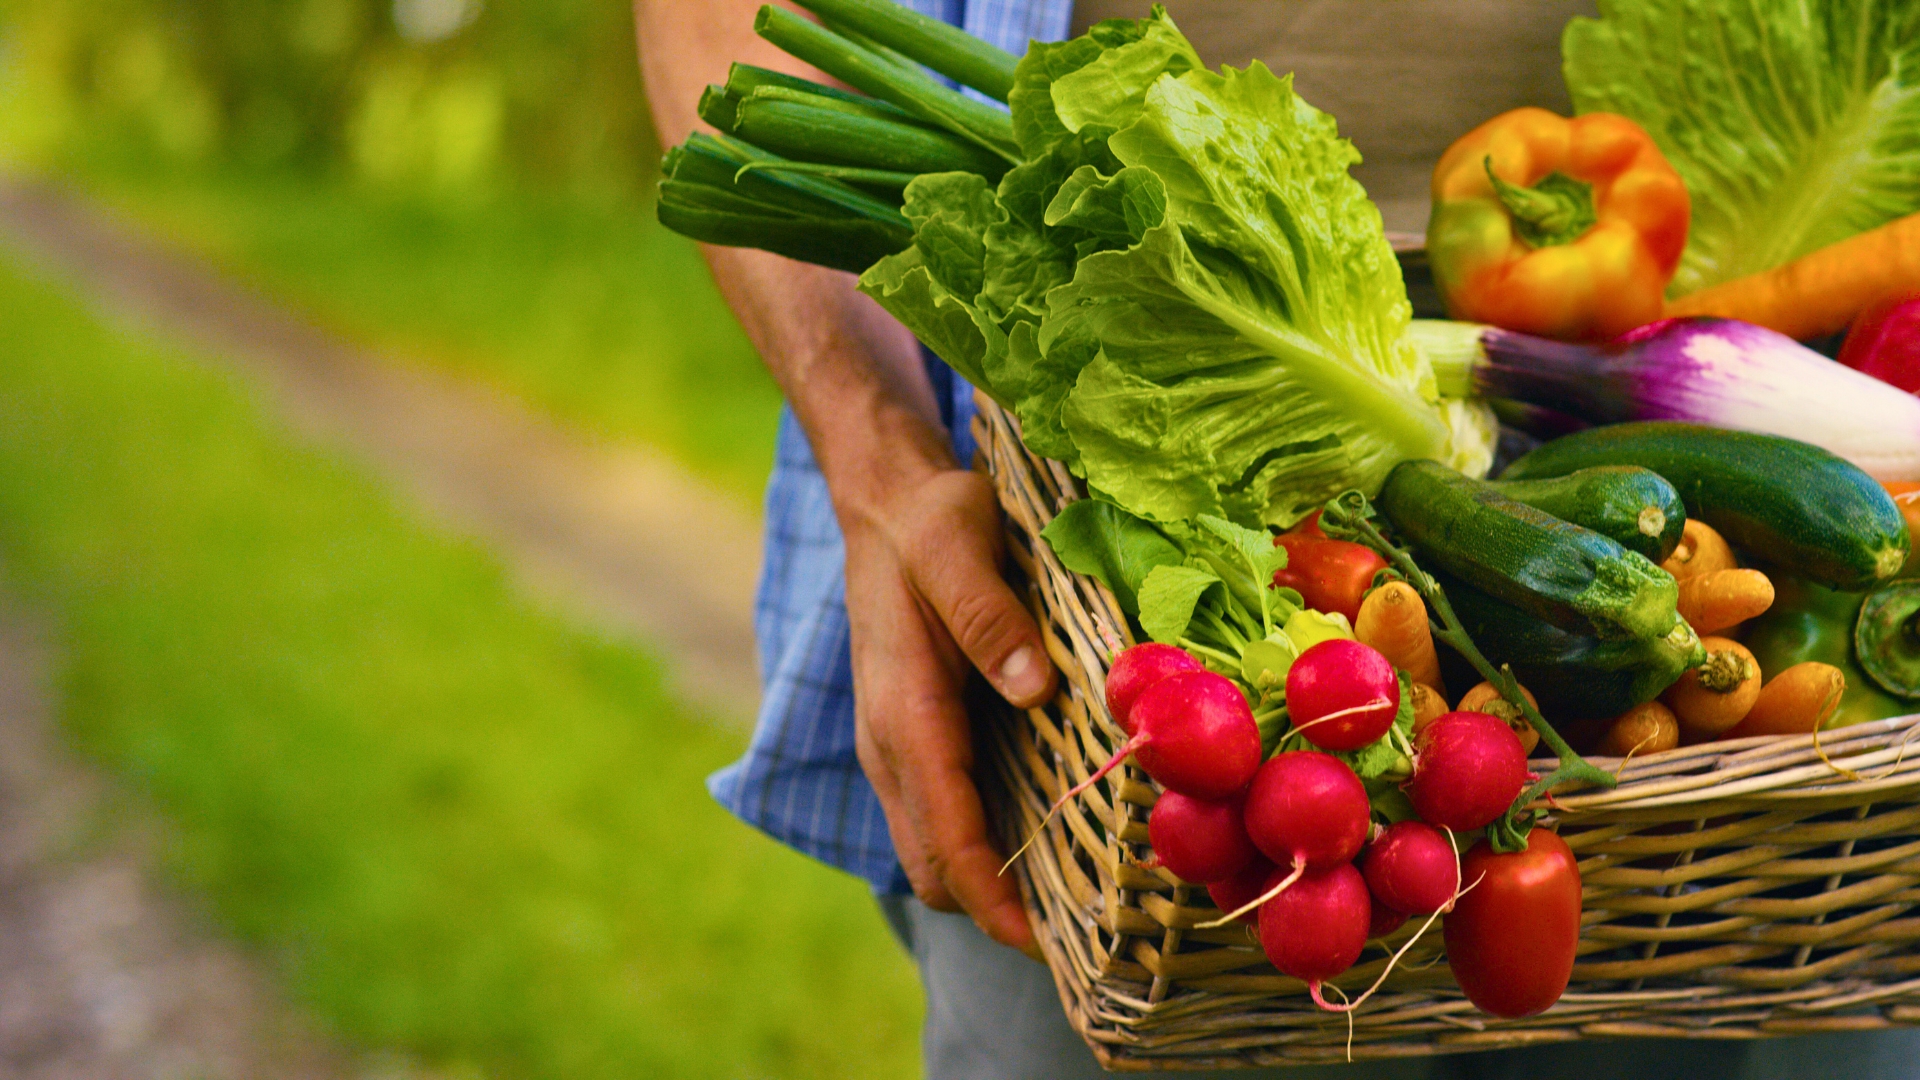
1166, 274
1265, 663
1103, 541
1794, 124
1236, 549
1168, 599
1184, 295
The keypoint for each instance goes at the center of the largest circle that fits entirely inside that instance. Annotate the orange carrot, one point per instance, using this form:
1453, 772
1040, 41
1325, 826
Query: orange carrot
1428, 705
1715, 696
1702, 550
1794, 702
1643, 729
1393, 619
1485, 698
1820, 292
1712, 602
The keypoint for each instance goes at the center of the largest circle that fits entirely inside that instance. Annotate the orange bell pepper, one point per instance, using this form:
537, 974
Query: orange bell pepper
1563, 228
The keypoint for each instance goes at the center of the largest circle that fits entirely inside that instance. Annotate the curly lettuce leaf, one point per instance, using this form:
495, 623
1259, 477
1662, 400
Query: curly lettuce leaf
1794, 124
1182, 293
1111, 88
931, 286
1250, 352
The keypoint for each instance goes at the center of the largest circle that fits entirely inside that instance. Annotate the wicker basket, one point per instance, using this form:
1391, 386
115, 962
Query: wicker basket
1732, 890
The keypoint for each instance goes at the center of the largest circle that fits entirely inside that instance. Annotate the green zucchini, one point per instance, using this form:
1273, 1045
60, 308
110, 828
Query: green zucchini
1797, 506
1575, 676
1561, 573
1634, 507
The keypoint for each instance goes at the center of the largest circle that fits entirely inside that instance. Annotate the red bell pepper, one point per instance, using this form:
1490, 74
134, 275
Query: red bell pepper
1884, 342
1331, 575
1563, 228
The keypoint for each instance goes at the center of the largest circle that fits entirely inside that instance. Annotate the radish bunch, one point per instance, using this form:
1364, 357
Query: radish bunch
1284, 843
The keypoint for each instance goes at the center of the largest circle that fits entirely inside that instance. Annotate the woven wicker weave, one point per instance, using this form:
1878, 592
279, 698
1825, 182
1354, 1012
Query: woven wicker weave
1732, 890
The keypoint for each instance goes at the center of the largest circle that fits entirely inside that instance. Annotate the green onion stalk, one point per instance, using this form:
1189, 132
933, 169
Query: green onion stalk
819, 173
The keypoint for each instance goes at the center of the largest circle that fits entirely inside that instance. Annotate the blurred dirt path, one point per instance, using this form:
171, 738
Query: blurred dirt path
103, 975
619, 533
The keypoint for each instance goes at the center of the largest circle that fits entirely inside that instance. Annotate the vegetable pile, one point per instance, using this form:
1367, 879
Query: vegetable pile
1169, 277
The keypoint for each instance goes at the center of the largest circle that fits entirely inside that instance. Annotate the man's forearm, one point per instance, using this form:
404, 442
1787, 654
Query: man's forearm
925, 599
852, 374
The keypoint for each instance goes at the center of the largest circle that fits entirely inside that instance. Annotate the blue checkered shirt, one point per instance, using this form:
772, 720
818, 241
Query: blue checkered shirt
799, 781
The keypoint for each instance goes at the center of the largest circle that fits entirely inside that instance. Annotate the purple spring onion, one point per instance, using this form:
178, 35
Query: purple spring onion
1720, 372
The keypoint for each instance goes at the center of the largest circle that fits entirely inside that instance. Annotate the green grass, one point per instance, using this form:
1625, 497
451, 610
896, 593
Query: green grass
464, 828
588, 309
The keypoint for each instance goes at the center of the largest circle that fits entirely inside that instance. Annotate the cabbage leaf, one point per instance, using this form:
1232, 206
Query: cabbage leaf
1794, 124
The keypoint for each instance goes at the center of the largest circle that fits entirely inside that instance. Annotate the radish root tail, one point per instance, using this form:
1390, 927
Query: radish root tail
1299, 868
1376, 703
1348, 1007
1126, 750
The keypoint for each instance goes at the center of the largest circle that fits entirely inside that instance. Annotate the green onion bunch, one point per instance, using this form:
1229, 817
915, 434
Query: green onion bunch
815, 172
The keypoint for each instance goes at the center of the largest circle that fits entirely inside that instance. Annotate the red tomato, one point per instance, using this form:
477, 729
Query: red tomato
1310, 526
1331, 575
1510, 939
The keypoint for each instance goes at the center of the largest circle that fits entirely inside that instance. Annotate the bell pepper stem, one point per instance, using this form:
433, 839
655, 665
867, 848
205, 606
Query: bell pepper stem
1557, 210
1351, 513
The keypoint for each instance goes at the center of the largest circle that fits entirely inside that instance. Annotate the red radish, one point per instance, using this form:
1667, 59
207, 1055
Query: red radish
1342, 695
1384, 920
1307, 808
1193, 732
1243, 888
1200, 839
1307, 812
1316, 929
1137, 668
1411, 868
1468, 767
1884, 342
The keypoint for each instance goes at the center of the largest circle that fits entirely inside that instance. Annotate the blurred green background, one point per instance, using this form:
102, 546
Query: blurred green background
475, 194
454, 824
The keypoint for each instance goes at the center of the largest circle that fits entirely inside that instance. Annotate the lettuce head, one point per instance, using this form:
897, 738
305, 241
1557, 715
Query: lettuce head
1182, 293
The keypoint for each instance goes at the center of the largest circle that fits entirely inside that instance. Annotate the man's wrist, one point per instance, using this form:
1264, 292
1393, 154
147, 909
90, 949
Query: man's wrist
875, 455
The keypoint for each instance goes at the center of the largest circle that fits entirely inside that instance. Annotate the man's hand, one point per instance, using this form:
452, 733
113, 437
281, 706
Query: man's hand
926, 603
